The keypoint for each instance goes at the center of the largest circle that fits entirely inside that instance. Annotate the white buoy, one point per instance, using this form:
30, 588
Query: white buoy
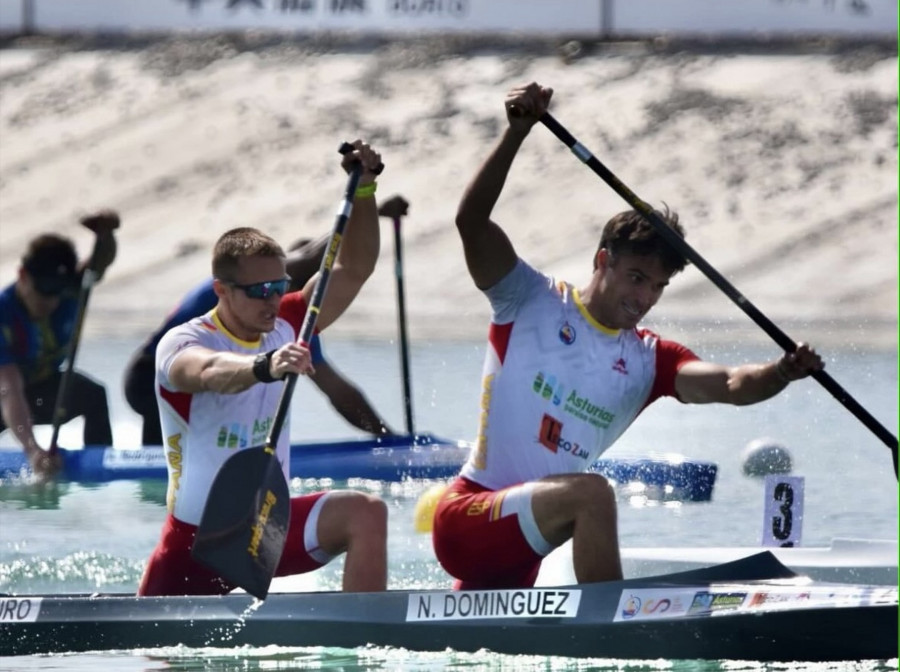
766, 456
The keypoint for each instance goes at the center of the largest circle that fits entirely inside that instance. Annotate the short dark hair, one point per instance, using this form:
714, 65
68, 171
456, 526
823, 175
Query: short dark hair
243, 241
630, 233
51, 262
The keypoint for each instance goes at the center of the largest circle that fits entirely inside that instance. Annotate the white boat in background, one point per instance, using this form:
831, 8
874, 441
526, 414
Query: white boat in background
866, 561
662, 476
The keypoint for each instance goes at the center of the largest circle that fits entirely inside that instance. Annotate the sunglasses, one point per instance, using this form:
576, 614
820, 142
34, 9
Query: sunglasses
51, 285
263, 290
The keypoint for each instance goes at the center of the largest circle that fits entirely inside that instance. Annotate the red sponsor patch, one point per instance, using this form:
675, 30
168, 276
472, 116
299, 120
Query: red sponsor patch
551, 430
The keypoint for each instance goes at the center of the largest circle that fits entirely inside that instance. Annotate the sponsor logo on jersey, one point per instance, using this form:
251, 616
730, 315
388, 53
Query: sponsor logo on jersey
548, 388
237, 435
260, 430
552, 439
580, 407
620, 366
584, 409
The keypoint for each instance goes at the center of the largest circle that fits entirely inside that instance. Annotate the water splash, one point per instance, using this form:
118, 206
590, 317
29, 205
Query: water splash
79, 572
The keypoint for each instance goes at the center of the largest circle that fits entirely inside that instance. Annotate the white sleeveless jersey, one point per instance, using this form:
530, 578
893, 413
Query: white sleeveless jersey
558, 387
202, 430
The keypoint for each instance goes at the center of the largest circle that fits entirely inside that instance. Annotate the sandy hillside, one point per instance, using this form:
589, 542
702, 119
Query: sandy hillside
782, 163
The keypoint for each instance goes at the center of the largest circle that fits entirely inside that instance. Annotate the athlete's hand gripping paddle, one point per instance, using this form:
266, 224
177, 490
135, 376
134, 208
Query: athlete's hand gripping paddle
247, 514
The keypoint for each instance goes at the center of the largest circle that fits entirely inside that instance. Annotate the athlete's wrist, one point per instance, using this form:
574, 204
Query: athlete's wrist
781, 372
262, 367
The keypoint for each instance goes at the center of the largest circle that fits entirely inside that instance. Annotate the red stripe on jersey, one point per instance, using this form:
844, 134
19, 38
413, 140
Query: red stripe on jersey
498, 337
179, 401
670, 357
293, 309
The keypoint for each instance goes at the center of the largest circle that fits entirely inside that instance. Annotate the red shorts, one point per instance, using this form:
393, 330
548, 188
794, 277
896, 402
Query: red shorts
172, 570
478, 542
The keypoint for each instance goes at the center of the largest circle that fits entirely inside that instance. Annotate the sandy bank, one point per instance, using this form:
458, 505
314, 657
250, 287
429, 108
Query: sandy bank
782, 163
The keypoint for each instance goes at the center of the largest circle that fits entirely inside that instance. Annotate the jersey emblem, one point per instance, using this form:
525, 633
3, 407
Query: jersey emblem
567, 333
620, 366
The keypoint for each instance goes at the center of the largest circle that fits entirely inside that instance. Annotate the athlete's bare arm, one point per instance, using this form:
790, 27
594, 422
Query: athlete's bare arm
198, 369
348, 400
14, 406
489, 253
359, 247
701, 382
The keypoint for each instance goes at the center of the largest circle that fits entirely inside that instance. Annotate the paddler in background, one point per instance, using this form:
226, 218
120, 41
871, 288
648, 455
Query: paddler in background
39, 314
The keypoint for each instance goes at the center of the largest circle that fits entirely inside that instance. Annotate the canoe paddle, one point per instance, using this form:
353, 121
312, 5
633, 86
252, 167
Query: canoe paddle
395, 208
677, 242
103, 222
247, 514
88, 278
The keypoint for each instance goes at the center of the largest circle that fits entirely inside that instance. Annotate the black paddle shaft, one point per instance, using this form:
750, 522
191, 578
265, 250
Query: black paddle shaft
677, 242
401, 323
88, 279
62, 394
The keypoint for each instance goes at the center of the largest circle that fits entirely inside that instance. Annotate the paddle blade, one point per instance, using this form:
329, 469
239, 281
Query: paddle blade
245, 521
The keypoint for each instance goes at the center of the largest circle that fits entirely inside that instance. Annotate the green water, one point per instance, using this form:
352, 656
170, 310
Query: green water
76, 538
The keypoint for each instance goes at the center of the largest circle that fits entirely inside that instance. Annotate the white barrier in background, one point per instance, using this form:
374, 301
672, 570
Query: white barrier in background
580, 18
754, 17
374, 16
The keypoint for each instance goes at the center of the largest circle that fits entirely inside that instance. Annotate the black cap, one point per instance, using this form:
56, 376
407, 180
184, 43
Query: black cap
52, 264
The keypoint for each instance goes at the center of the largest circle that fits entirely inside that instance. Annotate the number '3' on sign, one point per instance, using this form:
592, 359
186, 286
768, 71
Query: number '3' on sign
783, 518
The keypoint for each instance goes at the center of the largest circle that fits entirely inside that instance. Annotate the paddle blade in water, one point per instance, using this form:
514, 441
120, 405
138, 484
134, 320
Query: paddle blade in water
241, 536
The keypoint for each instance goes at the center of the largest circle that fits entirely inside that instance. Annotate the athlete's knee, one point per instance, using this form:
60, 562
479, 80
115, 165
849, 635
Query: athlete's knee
358, 518
369, 517
602, 492
591, 490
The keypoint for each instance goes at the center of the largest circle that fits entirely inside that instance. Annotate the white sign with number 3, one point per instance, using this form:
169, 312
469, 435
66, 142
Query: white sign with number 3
783, 517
